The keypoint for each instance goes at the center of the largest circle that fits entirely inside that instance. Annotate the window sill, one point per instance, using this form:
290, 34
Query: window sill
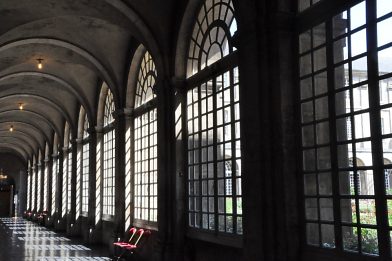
212, 237
108, 218
145, 224
325, 254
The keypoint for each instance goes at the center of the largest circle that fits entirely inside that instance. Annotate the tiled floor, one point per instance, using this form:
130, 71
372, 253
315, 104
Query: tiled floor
22, 240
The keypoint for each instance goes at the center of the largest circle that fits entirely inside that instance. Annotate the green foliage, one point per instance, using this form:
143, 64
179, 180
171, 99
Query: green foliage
369, 238
369, 241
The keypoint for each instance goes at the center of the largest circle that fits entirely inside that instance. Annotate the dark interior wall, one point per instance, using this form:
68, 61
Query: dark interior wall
15, 168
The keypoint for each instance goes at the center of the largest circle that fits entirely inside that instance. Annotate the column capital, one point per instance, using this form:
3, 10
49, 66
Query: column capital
119, 115
178, 84
128, 112
98, 129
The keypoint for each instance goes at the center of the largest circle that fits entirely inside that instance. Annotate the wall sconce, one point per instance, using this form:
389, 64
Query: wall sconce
39, 65
20, 106
11, 128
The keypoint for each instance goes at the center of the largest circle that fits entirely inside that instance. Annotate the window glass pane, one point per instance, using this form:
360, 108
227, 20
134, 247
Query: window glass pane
327, 236
383, 27
385, 61
383, 7
312, 234
348, 210
357, 15
369, 241
350, 238
358, 42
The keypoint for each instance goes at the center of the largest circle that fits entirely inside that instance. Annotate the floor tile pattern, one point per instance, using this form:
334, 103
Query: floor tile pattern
23, 240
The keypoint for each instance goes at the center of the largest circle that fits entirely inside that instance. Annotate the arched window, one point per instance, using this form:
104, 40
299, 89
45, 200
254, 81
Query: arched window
85, 165
55, 173
213, 121
29, 186
46, 174
67, 171
33, 186
108, 156
39, 179
145, 144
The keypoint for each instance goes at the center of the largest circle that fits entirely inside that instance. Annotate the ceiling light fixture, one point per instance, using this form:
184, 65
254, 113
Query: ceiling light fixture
20, 106
11, 128
40, 63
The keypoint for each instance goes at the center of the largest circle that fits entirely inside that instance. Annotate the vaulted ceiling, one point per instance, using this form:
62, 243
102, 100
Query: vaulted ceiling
82, 43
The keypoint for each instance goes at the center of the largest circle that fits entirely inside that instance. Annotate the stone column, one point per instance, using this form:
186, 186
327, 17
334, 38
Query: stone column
166, 170
89, 226
52, 190
78, 182
22, 193
180, 108
119, 174
129, 169
95, 191
71, 217
59, 204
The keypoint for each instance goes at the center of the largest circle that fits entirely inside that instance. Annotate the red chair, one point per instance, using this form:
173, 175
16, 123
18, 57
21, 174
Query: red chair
132, 232
132, 244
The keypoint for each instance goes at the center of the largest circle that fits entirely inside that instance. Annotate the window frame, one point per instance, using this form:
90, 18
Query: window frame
142, 108
85, 142
109, 128
324, 12
204, 74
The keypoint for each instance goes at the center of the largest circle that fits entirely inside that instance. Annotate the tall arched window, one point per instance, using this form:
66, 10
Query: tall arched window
67, 171
39, 179
85, 165
33, 186
55, 173
69, 174
213, 121
29, 186
108, 156
145, 144
46, 174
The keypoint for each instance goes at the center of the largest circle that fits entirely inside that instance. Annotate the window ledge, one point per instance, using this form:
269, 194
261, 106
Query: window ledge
145, 224
108, 218
212, 237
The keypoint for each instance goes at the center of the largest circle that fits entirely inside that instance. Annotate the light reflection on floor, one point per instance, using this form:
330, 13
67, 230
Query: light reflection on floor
27, 241
43, 238
72, 258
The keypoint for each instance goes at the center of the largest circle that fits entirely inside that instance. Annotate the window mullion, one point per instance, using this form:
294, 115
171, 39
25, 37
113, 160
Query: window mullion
148, 166
233, 149
333, 136
199, 157
215, 153
375, 128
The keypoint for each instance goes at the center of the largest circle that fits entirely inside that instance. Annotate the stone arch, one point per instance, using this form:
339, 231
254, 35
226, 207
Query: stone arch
67, 135
81, 119
132, 76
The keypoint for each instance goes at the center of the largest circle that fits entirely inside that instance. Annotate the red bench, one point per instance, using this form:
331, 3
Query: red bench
129, 247
41, 217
